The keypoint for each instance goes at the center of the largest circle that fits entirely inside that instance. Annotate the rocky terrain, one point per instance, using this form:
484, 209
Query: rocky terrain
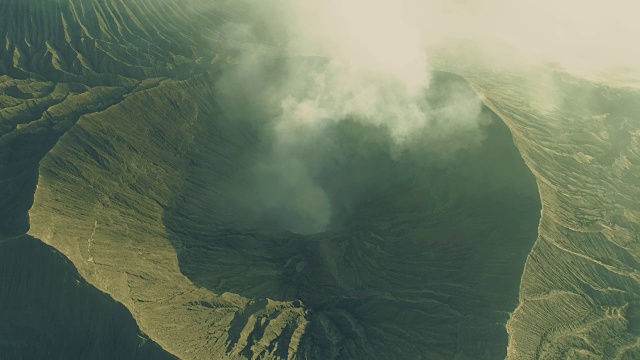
578, 296
121, 160
50, 312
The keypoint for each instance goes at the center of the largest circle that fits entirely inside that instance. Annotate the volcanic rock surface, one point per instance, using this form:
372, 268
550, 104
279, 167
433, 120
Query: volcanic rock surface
578, 296
111, 115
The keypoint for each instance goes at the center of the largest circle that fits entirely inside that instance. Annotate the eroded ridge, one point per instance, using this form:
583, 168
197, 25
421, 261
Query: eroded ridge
580, 138
124, 173
112, 108
111, 43
61, 60
152, 223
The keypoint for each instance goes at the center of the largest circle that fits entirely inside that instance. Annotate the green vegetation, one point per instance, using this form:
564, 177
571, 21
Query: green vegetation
578, 296
146, 155
50, 312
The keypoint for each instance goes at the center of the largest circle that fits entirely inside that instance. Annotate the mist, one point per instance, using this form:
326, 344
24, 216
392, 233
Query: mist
390, 36
307, 66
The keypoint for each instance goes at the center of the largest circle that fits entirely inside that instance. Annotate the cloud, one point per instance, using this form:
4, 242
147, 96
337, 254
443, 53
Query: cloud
388, 35
305, 66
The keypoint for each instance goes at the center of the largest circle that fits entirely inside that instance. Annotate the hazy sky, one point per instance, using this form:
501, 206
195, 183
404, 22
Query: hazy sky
387, 34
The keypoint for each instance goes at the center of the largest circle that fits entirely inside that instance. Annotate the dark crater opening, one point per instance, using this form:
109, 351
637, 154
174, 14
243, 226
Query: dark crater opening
422, 255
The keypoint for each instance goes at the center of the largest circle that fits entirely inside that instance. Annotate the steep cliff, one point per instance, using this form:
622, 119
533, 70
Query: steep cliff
578, 295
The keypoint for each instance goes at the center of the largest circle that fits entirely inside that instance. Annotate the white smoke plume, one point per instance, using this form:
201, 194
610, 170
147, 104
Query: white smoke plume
368, 61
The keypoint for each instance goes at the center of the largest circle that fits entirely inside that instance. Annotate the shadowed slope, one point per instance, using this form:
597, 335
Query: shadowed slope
123, 173
108, 42
64, 59
49, 312
417, 263
422, 260
418, 259
61, 61
579, 291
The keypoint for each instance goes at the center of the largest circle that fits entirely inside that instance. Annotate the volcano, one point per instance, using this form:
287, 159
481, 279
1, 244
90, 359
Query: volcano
137, 219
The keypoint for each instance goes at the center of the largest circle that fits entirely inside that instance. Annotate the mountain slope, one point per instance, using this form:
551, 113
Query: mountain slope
150, 205
49, 312
112, 108
578, 295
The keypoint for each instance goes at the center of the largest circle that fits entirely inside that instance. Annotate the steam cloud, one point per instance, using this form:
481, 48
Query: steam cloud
312, 64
